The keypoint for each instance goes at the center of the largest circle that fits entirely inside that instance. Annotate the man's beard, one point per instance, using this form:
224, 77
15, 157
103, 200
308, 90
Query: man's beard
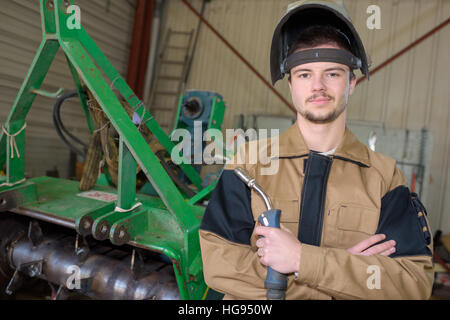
322, 119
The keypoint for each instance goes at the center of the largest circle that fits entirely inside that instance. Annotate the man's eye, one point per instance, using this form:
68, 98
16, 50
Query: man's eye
333, 75
303, 75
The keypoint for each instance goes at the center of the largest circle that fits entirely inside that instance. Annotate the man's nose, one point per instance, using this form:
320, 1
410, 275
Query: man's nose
318, 84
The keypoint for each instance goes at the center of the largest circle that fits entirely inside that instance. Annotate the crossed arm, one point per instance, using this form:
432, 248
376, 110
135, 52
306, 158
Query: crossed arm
281, 250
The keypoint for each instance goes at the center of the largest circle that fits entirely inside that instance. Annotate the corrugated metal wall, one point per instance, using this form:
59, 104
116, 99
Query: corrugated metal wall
411, 93
110, 25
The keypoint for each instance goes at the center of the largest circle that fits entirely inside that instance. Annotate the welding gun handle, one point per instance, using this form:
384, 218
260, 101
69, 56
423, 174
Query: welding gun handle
270, 218
275, 282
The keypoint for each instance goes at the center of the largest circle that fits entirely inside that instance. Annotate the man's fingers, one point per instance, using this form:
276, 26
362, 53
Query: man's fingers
260, 252
260, 242
385, 247
262, 231
388, 252
367, 243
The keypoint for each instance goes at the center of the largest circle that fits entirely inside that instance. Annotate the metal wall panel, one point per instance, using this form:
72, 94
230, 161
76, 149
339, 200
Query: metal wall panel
109, 23
410, 93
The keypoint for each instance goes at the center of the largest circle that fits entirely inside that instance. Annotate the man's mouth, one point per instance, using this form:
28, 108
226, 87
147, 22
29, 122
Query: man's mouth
319, 100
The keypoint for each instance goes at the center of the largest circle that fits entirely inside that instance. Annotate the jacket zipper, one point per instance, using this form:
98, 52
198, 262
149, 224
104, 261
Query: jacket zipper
324, 197
317, 240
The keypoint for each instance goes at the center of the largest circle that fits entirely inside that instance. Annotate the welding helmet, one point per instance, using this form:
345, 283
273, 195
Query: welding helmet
301, 15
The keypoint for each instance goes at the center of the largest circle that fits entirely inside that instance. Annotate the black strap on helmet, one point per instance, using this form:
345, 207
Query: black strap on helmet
321, 55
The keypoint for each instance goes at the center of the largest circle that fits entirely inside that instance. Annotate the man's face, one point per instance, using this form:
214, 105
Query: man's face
320, 90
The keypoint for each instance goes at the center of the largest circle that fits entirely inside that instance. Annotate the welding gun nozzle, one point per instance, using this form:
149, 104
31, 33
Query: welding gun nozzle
250, 182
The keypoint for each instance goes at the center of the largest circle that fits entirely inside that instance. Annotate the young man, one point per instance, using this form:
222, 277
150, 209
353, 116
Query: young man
339, 199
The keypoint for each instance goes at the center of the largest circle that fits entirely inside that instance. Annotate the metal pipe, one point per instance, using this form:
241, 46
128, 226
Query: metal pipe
99, 276
45, 217
145, 47
250, 182
149, 75
136, 44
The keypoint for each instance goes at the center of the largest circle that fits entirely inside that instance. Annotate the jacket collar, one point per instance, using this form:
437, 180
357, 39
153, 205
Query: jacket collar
292, 144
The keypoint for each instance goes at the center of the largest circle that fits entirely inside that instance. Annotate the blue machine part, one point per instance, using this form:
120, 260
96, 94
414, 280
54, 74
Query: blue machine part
197, 106
194, 112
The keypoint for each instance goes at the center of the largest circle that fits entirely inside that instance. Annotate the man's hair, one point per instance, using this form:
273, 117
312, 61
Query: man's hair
317, 35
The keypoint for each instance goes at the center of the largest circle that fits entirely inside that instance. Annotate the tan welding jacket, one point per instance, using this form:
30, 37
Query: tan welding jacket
331, 203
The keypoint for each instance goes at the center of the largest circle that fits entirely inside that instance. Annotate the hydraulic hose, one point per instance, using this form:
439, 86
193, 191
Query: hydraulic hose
61, 130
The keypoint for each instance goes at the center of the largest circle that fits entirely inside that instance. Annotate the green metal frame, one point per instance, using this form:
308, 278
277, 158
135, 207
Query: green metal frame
169, 224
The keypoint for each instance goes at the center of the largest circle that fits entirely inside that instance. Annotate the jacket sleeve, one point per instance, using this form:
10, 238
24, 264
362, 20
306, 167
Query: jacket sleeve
229, 264
407, 274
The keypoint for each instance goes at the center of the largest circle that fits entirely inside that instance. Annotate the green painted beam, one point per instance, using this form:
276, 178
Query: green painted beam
126, 188
128, 131
82, 96
22, 104
119, 82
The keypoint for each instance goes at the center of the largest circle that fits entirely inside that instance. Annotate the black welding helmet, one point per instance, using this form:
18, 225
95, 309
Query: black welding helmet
301, 15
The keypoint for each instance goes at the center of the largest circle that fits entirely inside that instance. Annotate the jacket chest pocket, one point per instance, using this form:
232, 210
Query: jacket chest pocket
355, 223
290, 212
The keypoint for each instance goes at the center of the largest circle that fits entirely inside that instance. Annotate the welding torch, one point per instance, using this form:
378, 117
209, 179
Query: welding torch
275, 282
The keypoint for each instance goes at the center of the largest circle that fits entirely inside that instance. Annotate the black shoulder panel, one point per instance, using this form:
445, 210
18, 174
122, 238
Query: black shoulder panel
229, 212
401, 220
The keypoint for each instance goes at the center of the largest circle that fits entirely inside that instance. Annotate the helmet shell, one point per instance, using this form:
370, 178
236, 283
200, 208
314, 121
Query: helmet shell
302, 14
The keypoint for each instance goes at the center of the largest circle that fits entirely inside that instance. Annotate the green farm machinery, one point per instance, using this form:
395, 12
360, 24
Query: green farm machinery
102, 240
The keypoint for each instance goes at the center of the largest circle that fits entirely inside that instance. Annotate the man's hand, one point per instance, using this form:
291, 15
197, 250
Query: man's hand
365, 247
279, 249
